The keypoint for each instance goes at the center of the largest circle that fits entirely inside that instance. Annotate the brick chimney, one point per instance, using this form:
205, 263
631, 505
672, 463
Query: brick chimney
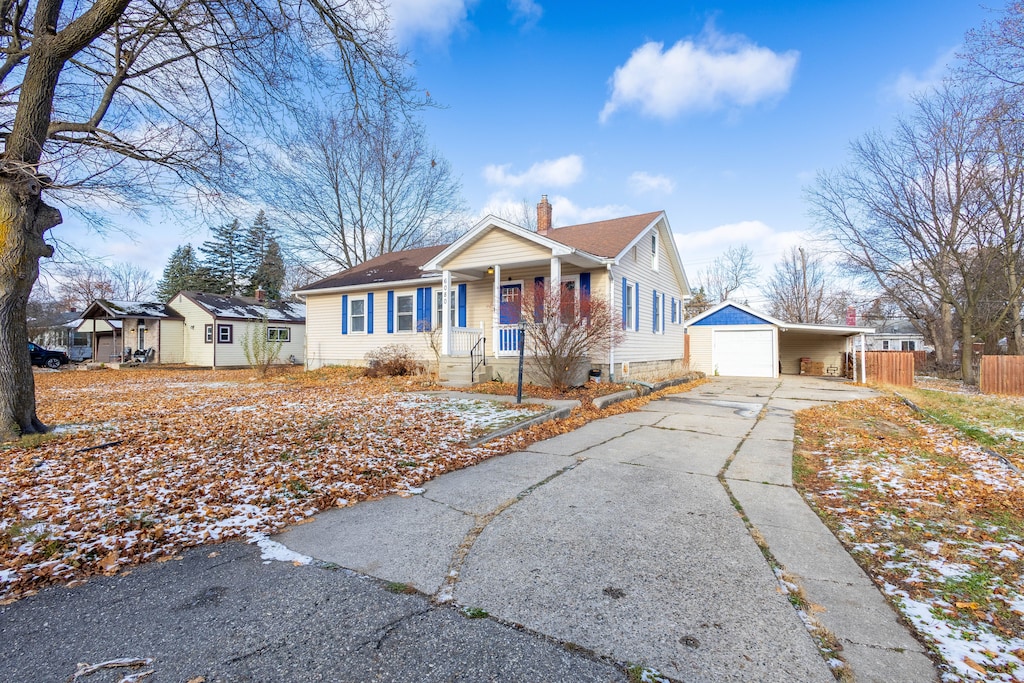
543, 215
261, 294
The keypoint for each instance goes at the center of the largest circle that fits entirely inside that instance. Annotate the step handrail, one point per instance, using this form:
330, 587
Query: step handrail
473, 362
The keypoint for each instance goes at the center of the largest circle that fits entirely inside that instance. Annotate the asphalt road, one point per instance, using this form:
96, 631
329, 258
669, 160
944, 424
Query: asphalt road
222, 614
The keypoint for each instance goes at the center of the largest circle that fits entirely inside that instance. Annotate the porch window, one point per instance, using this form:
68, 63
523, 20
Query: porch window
357, 315
439, 307
404, 313
225, 334
209, 334
279, 334
567, 302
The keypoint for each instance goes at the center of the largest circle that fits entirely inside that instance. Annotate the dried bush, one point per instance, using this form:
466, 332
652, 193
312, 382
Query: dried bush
393, 360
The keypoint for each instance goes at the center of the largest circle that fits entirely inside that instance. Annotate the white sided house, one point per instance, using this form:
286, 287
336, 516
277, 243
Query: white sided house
466, 299
733, 340
216, 324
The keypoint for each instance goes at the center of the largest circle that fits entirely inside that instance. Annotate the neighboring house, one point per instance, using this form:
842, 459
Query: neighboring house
119, 327
59, 331
194, 328
469, 294
896, 335
216, 324
733, 340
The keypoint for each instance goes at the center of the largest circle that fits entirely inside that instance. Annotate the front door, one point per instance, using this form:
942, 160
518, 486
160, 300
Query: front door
509, 313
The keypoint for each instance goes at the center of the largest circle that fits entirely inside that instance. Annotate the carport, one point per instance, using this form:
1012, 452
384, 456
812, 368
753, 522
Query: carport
734, 340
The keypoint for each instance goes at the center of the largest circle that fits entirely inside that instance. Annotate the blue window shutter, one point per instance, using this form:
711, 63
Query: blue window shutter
344, 313
462, 305
636, 307
654, 313
423, 309
369, 313
624, 303
428, 309
538, 299
662, 313
391, 311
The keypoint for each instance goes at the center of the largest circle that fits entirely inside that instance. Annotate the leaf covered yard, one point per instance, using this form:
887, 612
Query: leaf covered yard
142, 464
931, 505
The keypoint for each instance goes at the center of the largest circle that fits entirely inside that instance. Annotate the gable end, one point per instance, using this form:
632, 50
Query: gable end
730, 315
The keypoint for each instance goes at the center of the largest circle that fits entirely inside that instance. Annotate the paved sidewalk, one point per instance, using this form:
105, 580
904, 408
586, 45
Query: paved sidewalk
620, 538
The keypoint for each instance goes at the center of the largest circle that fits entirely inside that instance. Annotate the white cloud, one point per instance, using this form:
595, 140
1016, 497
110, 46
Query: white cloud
563, 210
432, 20
525, 12
560, 172
907, 84
642, 182
706, 73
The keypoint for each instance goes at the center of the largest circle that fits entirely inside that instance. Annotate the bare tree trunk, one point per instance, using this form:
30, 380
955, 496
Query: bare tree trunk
24, 219
967, 353
943, 336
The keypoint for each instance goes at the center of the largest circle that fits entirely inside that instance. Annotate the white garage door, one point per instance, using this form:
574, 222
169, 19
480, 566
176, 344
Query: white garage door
744, 353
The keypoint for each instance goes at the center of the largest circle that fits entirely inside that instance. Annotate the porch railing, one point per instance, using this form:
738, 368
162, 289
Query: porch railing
477, 357
508, 340
464, 340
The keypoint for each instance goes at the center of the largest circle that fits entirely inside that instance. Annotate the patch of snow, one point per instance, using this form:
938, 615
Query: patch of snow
272, 550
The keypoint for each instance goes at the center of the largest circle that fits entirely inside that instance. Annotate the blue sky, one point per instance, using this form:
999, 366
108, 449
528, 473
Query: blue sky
719, 113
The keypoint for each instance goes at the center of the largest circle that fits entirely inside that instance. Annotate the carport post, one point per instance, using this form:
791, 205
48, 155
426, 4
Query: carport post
863, 360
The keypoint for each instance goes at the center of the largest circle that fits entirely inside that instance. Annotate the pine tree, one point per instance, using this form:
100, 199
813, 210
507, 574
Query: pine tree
185, 272
226, 256
270, 273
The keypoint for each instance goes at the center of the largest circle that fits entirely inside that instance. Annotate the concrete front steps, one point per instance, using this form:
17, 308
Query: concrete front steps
455, 371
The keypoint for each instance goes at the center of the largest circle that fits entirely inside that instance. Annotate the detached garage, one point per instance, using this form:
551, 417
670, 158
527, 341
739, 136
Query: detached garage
733, 340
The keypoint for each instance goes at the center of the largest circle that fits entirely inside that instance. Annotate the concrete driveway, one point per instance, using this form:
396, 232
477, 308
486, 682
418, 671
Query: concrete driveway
623, 538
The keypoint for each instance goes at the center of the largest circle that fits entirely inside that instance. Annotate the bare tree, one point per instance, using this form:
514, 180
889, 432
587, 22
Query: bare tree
522, 214
802, 289
135, 99
131, 282
913, 211
81, 284
563, 333
352, 188
732, 270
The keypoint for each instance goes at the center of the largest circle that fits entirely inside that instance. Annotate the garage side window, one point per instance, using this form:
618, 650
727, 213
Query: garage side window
208, 331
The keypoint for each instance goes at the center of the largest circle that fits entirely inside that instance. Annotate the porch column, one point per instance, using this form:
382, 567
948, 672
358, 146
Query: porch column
863, 360
496, 306
446, 312
556, 286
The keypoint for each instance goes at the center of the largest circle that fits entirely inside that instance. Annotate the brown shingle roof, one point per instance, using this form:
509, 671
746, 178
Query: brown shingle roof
603, 238
393, 267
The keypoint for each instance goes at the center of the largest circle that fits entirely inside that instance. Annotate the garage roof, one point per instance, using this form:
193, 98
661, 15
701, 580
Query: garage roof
735, 313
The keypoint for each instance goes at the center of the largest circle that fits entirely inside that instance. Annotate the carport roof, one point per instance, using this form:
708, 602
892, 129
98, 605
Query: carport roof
834, 330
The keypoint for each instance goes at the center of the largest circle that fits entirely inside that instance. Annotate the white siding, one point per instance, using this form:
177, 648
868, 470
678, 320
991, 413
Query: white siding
171, 342
498, 247
820, 348
195, 350
643, 344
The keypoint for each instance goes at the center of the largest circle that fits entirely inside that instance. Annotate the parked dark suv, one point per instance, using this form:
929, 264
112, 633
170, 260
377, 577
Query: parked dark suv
46, 358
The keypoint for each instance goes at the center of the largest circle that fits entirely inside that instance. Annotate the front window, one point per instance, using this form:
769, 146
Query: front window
357, 321
568, 301
439, 308
404, 313
279, 334
224, 334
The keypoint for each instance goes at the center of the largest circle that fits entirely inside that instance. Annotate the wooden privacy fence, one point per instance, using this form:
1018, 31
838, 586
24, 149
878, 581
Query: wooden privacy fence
1002, 375
887, 367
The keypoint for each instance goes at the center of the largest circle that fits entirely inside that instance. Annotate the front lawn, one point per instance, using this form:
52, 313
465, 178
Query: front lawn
932, 512
144, 463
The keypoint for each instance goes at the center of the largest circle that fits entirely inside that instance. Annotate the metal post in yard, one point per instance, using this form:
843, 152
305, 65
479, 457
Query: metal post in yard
519, 386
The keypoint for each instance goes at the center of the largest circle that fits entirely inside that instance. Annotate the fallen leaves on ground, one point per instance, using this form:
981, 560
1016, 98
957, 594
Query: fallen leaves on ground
144, 463
933, 518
